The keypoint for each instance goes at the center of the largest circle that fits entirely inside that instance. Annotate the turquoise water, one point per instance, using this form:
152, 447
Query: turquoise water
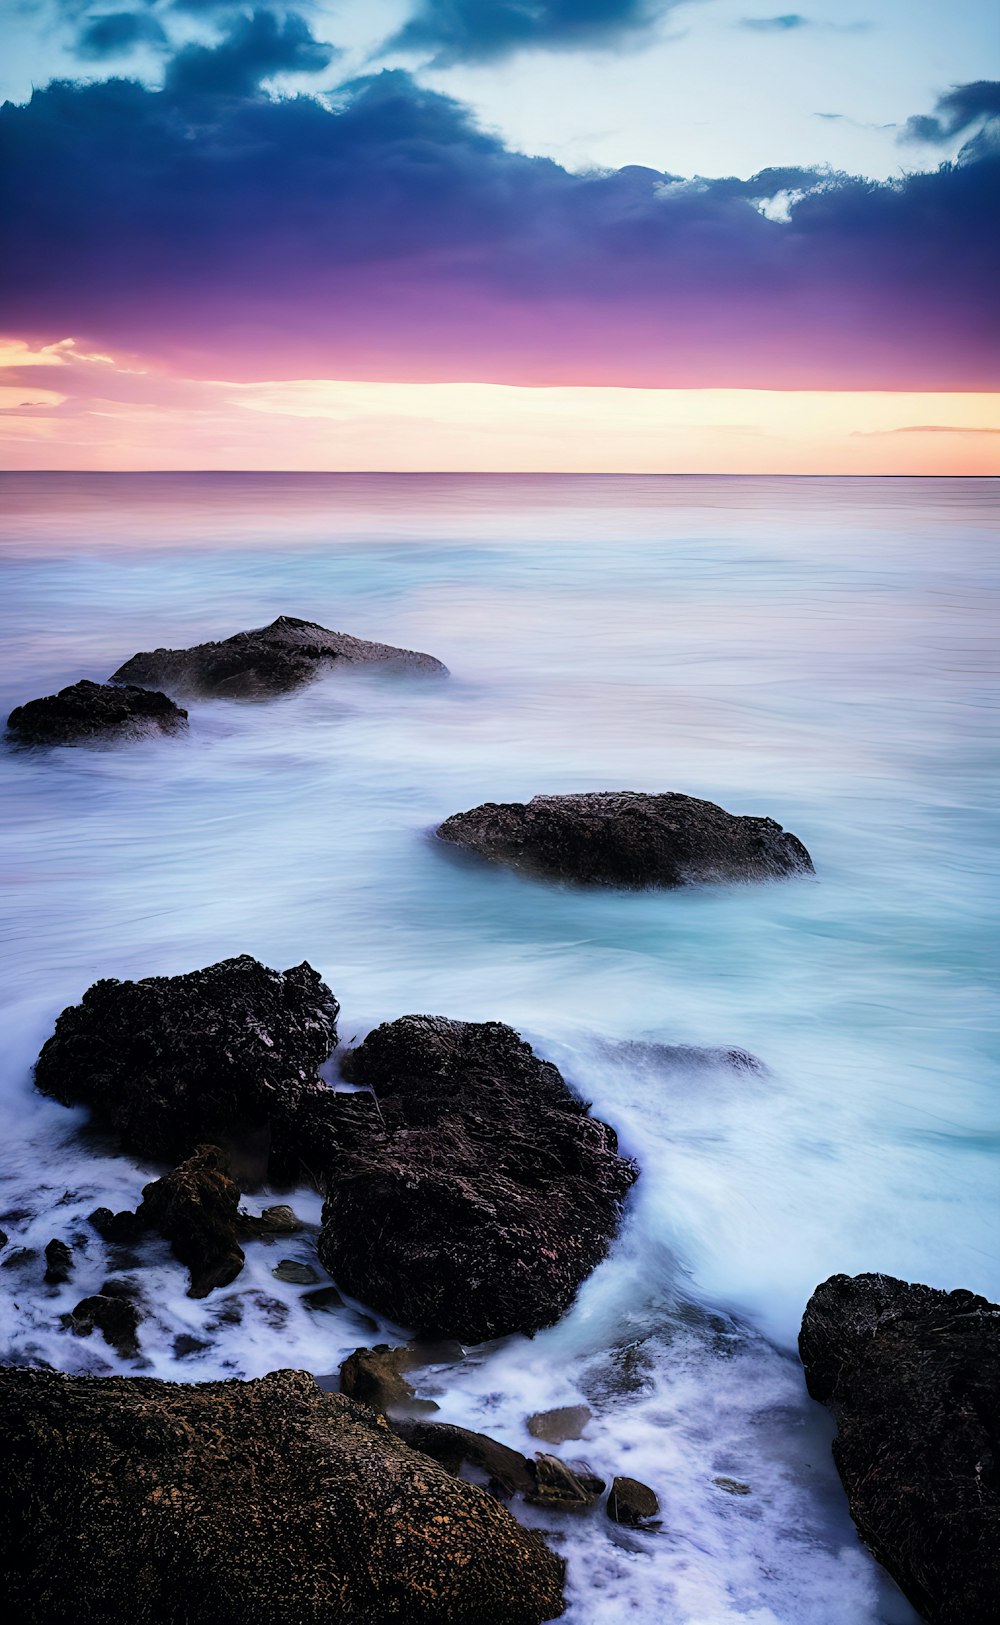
820, 651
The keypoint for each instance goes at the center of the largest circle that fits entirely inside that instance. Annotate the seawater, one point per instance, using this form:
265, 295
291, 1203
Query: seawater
820, 651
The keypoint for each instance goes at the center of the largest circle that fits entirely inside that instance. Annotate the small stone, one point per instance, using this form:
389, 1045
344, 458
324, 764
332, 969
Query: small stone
295, 1273
58, 1263
733, 1486
280, 1221
555, 1427
631, 1503
375, 1377
324, 1298
565, 1488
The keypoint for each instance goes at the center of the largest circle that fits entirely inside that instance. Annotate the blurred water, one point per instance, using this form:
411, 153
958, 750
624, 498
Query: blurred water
817, 650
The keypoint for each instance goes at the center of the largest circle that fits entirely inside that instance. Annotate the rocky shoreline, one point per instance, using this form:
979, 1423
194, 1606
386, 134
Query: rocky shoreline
468, 1192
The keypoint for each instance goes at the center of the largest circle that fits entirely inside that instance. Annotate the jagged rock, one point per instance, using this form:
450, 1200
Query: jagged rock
196, 1208
486, 1193
173, 1062
564, 1486
627, 838
630, 1502
269, 660
555, 1427
87, 712
222, 1502
116, 1318
58, 1263
912, 1377
120, 1227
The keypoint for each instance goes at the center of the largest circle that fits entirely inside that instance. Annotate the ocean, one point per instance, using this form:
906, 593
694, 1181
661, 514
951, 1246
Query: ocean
821, 651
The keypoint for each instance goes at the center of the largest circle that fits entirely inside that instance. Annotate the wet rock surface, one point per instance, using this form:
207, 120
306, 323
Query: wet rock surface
483, 1195
114, 1316
196, 1208
631, 1502
267, 661
912, 1377
58, 1262
222, 1502
555, 1427
173, 1062
375, 1377
457, 1447
87, 712
629, 839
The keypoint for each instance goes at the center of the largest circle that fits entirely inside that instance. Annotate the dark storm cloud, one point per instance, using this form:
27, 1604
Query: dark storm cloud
957, 111
117, 33
479, 30
389, 236
257, 47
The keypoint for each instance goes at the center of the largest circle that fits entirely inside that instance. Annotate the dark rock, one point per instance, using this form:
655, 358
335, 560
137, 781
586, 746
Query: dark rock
564, 1486
19, 1258
274, 1221
58, 1263
295, 1273
173, 1062
222, 1502
196, 1208
555, 1427
324, 1299
121, 1227
116, 1318
269, 660
912, 1377
456, 1447
733, 1486
87, 712
487, 1193
4, 1238
375, 1377
185, 1344
631, 1502
627, 838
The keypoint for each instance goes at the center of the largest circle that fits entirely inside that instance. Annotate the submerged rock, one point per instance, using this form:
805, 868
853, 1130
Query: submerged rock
483, 1195
555, 1427
173, 1062
93, 712
58, 1263
269, 660
912, 1377
222, 1502
627, 838
564, 1486
631, 1502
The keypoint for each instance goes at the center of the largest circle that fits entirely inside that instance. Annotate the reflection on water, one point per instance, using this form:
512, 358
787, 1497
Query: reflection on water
816, 650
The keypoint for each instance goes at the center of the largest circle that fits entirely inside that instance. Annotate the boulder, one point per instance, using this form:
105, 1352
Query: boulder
267, 661
196, 1208
223, 1502
631, 1502
87, 713
58, 1262
555, 1427
174, 1062
912, 1377
629, 839
115, 1317
375, 1377
483, 1195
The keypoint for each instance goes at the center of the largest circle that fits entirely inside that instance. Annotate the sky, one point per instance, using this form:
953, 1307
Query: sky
591, 235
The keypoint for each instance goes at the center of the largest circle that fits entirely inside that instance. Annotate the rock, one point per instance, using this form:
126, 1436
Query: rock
196, 1208
696, 1058
295, 1273
375, 1377
631, 1502
4, 1238
324, 1299
912, 1377
627, 838
456, 1447
484, 1195
19, 1258
120, 1227
564, 1486
222, 1502
555, 1427
116, 1318
733, 1486
269, 660
58, 1263
92, 712
173, 1062
274, 1221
